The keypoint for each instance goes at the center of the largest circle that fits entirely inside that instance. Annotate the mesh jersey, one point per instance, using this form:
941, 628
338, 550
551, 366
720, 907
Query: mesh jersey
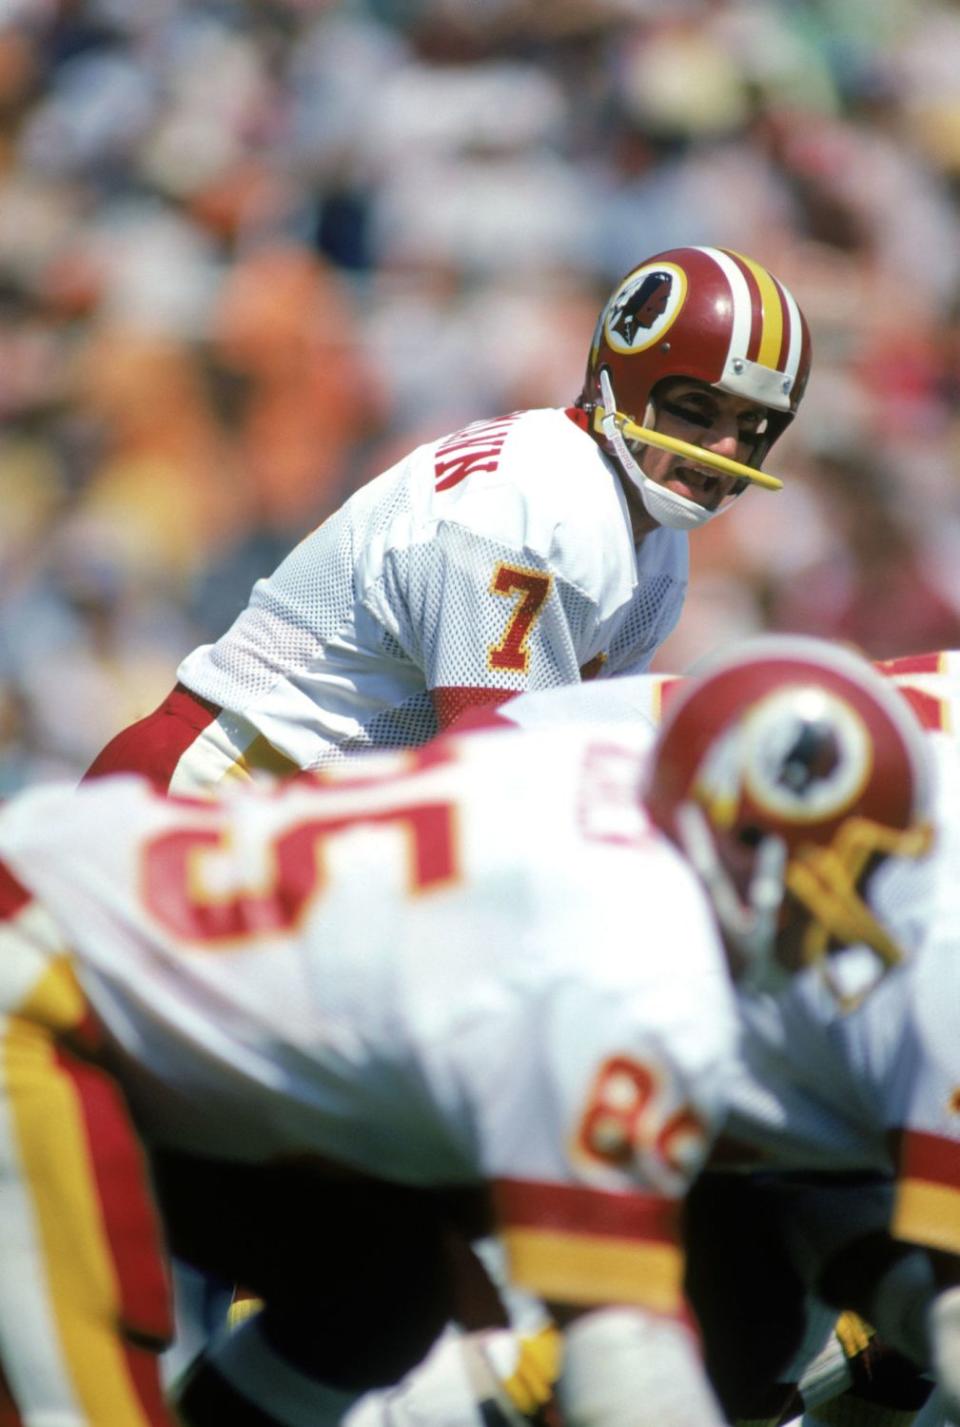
496, 558
415, 974
877, 1087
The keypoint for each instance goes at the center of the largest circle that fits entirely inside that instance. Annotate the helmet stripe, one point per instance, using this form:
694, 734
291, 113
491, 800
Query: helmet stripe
771, 335
795, 348
742, 301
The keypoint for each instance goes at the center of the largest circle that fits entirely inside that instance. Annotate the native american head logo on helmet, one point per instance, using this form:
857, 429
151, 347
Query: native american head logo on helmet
640, 304
698, 364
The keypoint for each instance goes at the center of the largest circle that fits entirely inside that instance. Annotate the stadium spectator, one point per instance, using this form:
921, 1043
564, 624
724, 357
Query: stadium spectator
889, 586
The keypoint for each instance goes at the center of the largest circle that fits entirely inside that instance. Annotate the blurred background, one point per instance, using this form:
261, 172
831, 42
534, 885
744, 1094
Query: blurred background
253, 250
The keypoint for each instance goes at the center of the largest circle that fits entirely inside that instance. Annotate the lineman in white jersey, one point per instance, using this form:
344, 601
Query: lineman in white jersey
476, 1038
746, 1352
866, 1096
836, 1087
351, 1017
534, 550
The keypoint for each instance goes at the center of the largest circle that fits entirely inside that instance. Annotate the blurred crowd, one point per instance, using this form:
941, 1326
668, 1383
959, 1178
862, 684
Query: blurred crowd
252, 250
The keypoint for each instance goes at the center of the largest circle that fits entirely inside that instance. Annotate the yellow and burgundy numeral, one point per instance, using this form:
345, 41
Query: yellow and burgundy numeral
529, 590
610, 1127
626, 1115
175, 892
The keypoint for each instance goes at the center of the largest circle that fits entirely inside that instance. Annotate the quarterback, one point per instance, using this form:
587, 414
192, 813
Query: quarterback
537, 549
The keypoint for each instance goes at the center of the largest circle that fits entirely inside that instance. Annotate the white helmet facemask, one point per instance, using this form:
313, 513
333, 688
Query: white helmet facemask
665, 506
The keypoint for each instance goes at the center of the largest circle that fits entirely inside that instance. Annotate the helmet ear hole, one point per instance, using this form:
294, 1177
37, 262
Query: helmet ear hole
750, 837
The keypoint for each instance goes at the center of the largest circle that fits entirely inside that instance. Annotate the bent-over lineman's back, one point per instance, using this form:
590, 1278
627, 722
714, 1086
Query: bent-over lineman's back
474, 965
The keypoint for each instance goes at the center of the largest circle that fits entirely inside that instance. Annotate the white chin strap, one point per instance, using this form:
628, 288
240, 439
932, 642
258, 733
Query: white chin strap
666, 507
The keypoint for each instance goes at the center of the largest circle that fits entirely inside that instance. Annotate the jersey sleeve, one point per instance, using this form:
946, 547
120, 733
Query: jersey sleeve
927, 1205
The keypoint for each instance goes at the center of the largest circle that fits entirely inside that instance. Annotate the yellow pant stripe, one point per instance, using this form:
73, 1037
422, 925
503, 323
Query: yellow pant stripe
55, 1162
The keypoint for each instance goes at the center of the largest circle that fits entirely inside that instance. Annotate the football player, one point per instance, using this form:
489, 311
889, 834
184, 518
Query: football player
833, 1101
335, 1087
335, 1090
533, 550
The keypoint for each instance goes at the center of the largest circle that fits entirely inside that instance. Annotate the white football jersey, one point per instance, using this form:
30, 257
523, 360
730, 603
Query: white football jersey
636, 699
497, 558
877, 1086
478, 963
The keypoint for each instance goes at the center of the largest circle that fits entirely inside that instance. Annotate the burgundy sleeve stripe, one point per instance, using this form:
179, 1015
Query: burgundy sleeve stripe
13, 895
154, 745
529, 1204
927, 1203
929, 1157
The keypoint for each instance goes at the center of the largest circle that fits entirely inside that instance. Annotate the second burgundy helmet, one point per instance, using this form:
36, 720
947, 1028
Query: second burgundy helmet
791, 765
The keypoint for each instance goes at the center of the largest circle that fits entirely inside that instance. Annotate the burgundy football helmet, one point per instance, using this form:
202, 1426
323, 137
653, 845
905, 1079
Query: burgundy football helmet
706, 313
791, 765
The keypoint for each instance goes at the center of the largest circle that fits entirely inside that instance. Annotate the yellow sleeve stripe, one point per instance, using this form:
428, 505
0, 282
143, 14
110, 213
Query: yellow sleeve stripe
55, 1000
262, 757
928, 1214
565, 1268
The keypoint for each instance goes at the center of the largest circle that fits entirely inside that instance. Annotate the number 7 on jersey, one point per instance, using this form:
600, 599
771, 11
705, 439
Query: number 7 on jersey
529, 590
